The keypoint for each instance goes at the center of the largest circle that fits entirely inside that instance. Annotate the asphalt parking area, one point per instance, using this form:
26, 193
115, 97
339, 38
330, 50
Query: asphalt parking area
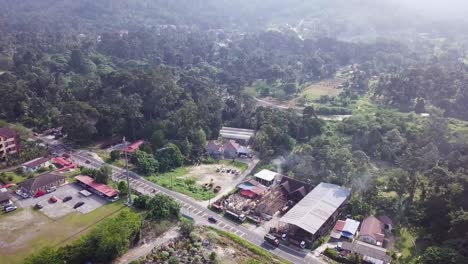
59, 209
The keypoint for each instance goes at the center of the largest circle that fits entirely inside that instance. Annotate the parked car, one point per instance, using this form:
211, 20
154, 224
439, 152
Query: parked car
228, 170
51, 189
67, 198
39, 193
212, 220
78, 204
53, 199
217, 189
10, 208
38, 206
87, 161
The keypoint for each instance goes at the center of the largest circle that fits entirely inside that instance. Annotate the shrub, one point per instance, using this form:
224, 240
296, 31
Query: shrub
174, 260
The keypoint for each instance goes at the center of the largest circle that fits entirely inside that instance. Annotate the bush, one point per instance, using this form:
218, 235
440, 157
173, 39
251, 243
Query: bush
174, 260
10, 178
186, 227
114, 155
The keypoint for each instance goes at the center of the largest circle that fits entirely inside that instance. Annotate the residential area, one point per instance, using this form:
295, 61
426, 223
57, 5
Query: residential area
283, 211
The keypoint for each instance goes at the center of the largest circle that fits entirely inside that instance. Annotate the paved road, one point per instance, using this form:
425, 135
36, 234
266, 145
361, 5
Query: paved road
198, 212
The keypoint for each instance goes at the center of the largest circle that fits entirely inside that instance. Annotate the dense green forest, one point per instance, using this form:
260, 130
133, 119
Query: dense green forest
174, 72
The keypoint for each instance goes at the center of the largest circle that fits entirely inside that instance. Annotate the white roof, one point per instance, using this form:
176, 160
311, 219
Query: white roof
315, 209
266, 175
236, 133
351, 226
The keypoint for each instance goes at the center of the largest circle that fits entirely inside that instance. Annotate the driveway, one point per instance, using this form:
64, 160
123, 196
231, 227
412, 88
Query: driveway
59, 209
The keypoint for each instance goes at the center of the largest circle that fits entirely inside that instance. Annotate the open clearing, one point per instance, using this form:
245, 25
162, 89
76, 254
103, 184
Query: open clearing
28, 230
326, 87
189, 180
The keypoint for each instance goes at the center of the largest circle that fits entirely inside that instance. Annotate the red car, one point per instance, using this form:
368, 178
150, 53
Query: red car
39, 193
53, 199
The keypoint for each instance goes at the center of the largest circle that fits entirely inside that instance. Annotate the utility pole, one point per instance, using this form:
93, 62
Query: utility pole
129, 196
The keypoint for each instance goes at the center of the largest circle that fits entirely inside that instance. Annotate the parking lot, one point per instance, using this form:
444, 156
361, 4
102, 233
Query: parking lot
60, 208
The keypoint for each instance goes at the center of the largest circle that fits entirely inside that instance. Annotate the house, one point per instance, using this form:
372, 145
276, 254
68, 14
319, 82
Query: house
345, 229
230, 149
41, 182
214, 149
240, 135
372, 231
251, 189
370, 253
35, 164
9, 142
316, 213
4, 197
61, 162
266, 177
133, 147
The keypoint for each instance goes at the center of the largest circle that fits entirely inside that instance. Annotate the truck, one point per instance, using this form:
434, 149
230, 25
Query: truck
241, 217
271, 239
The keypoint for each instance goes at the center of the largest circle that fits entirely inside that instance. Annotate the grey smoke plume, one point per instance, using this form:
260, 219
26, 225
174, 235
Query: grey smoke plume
278, 163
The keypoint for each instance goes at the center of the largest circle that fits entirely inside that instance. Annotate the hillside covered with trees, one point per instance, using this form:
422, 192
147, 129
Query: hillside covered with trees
174, 72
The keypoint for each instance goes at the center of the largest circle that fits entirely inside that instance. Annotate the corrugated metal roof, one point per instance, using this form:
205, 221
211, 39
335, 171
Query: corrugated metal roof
314, 210
266, 175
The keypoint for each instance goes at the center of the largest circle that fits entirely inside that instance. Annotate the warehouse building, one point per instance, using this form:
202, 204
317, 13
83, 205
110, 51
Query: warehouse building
316, 213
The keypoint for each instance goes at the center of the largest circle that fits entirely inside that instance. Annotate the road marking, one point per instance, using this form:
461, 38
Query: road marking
221, 225
200, 213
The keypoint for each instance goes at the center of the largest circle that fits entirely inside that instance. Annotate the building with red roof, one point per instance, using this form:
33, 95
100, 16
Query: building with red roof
62, 162
133, 147
98, 188
372, 231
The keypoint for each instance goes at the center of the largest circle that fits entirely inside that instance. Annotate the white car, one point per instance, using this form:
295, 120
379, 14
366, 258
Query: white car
51, 189
10, 209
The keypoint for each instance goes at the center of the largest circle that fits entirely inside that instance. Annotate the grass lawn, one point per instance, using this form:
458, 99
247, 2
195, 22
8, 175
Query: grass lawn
27, 230
406, 244
187, 186
325, 87
260, 254
118, 163
12, 177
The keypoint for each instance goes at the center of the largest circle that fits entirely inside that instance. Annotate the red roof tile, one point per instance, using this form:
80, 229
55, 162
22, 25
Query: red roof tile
339, 226
371, 226
102, 188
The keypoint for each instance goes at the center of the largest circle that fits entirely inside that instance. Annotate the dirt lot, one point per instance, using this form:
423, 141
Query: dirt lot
205, 173
26, 230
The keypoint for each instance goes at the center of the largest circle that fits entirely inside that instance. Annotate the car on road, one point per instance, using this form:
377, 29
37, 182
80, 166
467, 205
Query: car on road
38, 206
39, 193
212, 220
10, 208
51, 189
272, 239
53, 199
78, 204
67, 198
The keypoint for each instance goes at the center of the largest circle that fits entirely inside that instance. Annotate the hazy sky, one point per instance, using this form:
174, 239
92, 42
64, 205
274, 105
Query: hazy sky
437, 8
